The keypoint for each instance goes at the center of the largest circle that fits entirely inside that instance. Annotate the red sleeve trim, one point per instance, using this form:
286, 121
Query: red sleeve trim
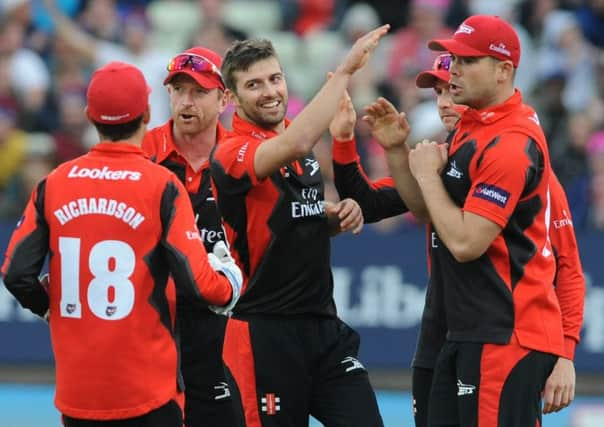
345, 152
569, 348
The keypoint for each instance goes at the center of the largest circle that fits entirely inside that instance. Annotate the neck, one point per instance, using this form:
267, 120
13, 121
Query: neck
195, 148
498, 98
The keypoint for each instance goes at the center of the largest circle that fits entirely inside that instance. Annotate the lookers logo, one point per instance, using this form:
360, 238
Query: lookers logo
103, 174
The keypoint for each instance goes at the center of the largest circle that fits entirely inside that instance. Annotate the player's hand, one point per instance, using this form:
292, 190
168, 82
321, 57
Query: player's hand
341, 127
428, 158
221, 260
361, 50
559, 389
347, 214
389, 127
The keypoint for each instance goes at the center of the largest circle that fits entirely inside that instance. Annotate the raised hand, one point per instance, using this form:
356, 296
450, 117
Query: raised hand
361, 50
389, 127
342, 125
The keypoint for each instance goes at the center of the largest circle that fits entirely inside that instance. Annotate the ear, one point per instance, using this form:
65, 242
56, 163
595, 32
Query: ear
147, 115
222, 101
505, 71
231, 97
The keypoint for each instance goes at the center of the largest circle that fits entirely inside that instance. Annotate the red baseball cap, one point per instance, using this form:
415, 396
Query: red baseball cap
117, 93
482, 35
439, 71
201, 64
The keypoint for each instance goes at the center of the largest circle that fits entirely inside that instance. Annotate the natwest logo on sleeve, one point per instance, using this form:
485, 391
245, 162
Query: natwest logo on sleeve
103, 174
492, 193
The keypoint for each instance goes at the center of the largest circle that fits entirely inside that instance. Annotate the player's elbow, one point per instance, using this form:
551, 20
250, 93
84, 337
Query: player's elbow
465, 251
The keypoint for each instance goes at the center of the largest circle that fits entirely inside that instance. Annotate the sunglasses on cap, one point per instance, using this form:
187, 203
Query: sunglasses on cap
443, 62
197, 63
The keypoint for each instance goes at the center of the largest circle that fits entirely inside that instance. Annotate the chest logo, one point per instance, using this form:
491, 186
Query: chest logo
453, 171
314, 164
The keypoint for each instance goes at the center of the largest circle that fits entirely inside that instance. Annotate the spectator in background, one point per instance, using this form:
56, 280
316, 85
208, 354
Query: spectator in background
73, 124
212, 31
571, 166
358, 20
305, 16
135, 50
563, 47
28, 75
409, 52
595, 150
13, 151
591, 20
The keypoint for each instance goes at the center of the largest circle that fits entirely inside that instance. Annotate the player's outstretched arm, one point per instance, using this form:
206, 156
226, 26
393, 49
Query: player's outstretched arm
304, 132
377, 199
391, 129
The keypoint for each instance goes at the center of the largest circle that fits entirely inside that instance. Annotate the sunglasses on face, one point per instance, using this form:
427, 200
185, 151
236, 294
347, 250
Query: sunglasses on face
196, 63
443, 62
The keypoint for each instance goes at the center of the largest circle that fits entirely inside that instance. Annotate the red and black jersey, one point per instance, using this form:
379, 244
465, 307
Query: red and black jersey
570, 281
115, 226
378, 199
277, 227
159, 145
499, 168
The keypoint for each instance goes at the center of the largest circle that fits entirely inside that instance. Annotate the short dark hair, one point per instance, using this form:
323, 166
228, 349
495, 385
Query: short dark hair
242, 55
118, 132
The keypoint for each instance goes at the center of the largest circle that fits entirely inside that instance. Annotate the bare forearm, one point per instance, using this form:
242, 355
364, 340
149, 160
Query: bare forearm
314, 120
447, 218
406, 185
72, 34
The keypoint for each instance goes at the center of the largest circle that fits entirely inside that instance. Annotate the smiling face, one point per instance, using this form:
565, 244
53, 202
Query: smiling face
194, 109
261, 93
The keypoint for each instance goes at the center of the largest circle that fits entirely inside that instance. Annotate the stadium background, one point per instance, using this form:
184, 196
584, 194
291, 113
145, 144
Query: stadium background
380, 276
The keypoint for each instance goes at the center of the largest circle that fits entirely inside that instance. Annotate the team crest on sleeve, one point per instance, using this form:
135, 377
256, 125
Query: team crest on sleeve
492, 193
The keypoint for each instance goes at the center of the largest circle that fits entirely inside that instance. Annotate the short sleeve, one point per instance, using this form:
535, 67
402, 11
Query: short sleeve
500, 176
233, 161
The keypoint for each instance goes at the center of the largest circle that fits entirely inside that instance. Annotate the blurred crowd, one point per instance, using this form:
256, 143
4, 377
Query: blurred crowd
48, 49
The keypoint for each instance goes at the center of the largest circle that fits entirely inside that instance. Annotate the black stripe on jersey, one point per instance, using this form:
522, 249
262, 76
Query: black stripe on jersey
178, 169
520, 248
156, 263
21, 278
235, 217
376, 203
491, 144
178, 262
534, 172
160, 273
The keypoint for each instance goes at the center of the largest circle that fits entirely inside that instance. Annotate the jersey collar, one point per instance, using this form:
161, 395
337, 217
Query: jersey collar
243, 127
118, 147
168, 147
493, 114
